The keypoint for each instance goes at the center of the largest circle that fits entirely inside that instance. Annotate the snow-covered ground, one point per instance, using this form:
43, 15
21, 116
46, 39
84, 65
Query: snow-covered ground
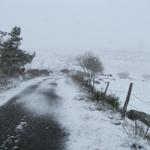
89, 128
135, 63
7, 95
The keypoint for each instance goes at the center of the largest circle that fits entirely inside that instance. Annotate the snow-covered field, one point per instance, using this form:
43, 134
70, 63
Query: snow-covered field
89, 128
135, 63
93, 130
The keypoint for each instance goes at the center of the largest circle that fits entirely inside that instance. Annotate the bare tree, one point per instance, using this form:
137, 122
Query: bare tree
91, 65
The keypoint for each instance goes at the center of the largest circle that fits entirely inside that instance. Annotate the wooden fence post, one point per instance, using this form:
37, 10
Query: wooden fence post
127, 101
106, 88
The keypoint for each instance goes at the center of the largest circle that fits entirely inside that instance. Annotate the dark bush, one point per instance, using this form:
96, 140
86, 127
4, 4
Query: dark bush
66, 71
97, 96
110, 99
36, 73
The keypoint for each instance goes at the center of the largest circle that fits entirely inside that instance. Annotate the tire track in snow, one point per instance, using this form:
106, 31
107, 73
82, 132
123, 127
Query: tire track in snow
21, 129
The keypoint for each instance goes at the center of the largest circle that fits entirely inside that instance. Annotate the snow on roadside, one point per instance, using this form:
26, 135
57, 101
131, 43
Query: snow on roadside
89, 129
7, 95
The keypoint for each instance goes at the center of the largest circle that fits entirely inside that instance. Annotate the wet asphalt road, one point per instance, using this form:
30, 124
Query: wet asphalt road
23, 130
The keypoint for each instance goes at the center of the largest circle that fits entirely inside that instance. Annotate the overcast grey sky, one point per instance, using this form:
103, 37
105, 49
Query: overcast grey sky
79, 24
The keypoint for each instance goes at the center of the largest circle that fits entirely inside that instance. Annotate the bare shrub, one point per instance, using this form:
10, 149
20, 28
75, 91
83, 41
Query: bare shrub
79, 78
137, 132
91, 65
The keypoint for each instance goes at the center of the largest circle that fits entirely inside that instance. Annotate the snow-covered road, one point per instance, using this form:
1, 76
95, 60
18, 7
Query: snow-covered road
50, 115
27, 120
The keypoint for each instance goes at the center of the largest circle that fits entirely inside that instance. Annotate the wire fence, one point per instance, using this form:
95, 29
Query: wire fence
133, 95
132, 106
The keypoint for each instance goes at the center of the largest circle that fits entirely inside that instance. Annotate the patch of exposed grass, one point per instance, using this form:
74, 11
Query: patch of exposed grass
95, 95
100, 97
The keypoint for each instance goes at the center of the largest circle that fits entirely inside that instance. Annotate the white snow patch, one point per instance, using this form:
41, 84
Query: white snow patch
89, 130
7, 95
21, 126
37, 103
